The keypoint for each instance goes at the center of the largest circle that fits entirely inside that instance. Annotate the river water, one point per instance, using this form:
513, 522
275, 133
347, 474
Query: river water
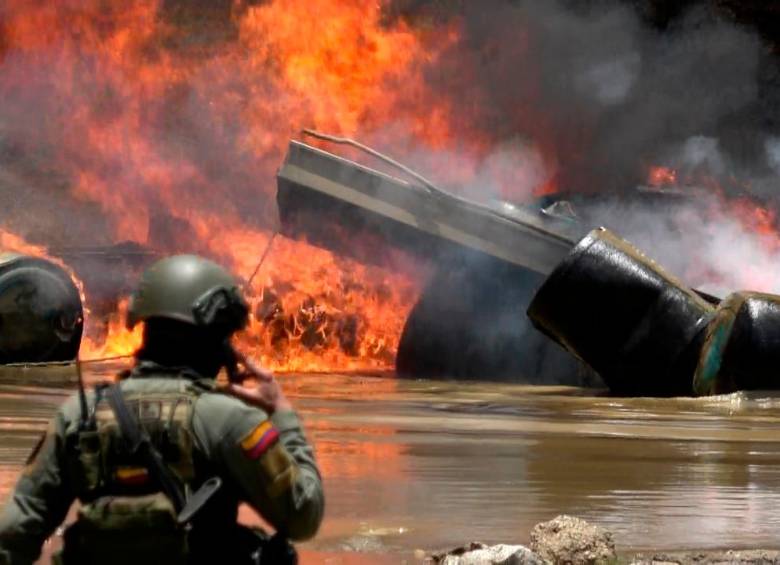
426, 465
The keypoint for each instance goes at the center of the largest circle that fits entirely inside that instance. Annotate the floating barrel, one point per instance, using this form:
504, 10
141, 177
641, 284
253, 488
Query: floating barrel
619, 312
741, 349
469, 324
41, 317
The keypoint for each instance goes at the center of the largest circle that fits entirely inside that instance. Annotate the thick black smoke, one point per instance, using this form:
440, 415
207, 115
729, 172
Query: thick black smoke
602, 94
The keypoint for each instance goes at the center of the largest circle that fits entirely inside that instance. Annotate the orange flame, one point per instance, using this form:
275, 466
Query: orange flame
116, 340
662, 176
10, 242
122, 71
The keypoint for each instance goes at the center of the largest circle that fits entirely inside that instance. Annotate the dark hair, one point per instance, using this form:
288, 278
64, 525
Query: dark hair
178, 344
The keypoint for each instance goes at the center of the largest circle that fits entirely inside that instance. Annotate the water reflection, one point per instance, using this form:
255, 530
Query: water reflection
487, 462
416, 464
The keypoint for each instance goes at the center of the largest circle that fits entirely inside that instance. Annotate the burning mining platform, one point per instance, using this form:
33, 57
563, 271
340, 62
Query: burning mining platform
134, 130
469, 321
599, 312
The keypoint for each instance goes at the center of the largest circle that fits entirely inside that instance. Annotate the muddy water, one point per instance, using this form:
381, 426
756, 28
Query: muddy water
428, 465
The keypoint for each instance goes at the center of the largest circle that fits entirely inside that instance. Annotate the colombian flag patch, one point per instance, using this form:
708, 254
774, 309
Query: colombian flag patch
259, 440
132, 476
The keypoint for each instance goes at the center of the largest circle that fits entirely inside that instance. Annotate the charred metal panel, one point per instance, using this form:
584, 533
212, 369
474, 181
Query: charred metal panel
337, 204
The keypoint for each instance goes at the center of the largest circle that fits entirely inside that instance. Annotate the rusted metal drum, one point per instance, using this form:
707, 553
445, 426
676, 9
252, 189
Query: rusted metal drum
622, 314
741, 349
41, 316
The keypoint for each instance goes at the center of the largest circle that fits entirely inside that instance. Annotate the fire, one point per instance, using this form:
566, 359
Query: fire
759, 220
162, 123
736, 237
10, 242
662, 176
323, 312
335, 73
117, 340
116, 77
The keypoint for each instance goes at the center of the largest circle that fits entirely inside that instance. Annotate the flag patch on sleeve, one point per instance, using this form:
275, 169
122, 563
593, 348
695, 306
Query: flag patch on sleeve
259, 440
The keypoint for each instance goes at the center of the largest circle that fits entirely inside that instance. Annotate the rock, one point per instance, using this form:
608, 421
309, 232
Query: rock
363, 544
481, 554
567, 540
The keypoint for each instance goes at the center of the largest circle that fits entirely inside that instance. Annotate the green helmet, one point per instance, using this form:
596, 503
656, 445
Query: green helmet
189, 289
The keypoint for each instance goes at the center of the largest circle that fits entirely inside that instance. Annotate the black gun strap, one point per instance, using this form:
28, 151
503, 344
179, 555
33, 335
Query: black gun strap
139, 443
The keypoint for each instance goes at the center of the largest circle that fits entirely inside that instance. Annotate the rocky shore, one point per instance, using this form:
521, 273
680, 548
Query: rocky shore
567, 540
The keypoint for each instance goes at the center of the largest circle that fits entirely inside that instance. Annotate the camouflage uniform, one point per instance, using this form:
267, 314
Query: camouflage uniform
280, 480
200, 433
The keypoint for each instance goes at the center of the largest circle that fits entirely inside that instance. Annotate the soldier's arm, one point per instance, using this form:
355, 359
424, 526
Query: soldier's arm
39, 502
268, 459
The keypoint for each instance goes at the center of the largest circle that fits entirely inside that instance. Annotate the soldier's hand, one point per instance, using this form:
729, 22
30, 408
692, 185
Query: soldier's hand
267, 394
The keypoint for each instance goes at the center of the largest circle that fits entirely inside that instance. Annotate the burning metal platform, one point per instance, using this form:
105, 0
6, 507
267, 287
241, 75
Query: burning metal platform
470, 319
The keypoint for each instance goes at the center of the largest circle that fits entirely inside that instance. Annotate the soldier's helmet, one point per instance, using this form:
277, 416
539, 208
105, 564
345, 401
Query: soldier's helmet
189, 289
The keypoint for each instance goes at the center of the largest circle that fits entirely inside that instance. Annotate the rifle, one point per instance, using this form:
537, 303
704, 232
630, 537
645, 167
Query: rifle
138, 443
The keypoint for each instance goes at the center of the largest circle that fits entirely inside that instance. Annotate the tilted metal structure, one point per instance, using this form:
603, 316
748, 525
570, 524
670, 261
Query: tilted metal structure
328, 199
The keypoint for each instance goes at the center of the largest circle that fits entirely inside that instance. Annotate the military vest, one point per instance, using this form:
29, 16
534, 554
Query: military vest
101, 464
125, 518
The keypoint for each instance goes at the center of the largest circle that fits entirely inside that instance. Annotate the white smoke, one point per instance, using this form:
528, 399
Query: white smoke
701, 153
709, 243
610, 82
772, 148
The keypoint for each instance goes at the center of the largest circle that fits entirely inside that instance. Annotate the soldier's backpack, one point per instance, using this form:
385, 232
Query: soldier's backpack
125, 530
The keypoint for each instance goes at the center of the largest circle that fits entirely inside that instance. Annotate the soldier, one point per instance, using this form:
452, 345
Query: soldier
161, 461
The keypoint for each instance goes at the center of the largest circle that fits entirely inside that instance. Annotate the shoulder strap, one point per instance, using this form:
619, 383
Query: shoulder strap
201, 385
138, 442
